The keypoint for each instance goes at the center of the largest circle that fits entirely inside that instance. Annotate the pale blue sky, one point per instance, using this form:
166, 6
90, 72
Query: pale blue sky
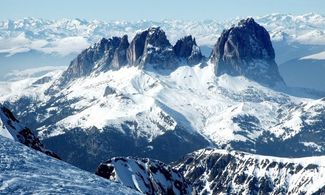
154, 9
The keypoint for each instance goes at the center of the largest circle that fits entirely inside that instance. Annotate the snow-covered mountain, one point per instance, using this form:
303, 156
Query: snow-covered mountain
145, 175
161, 90
13, 129
102, 107
72, 35
213, 171
32, 42
25, 171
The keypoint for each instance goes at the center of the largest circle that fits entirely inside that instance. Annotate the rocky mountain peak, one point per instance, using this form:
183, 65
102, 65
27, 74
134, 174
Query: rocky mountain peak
187, 49
105, 55
246, 49
157, 38
120, 54
151, 48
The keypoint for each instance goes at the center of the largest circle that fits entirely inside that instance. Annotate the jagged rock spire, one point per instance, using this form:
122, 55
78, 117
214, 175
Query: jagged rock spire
152, 48
246, 49
187, 49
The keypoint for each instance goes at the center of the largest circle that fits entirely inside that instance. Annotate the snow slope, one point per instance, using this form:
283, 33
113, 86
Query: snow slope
146, 106
25, 171
163, 105
12, 128
213, 171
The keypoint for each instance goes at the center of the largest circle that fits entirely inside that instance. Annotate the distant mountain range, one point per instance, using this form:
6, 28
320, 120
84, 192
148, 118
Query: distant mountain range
72, 35
32, 42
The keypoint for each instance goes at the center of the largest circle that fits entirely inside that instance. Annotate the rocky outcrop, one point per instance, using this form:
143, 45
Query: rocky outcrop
120, 54
213, 171
144, 175
105, 55
246, 49
151, 49
136, 48
148, 49
187, 50
11, 128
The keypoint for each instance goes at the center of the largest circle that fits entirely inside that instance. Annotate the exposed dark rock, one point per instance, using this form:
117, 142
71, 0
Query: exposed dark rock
246, 49
120, 55
228, 172
144, 175
109, 91
136, 48
42, 80
187, 49
152, 49
21, 133
105, 55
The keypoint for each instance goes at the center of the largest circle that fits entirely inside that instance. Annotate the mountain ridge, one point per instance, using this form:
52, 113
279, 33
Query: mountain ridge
216, 171
13, 129
155, 111
280, 26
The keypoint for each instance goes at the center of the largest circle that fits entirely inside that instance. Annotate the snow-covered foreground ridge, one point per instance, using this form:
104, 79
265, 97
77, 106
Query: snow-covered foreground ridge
66, 36
12, 128
25, 171
213, 171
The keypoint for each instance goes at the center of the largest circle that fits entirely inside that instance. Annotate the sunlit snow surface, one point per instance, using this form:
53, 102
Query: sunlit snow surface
191, 97
25, 171
285, 175
318, 56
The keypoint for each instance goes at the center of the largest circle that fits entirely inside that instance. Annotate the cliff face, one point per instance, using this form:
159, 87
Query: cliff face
104, 55
151, 48
187, 49
246, 50
213, 171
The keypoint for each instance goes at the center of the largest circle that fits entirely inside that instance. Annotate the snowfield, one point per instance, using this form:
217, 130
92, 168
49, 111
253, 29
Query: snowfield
192, 97
25, 171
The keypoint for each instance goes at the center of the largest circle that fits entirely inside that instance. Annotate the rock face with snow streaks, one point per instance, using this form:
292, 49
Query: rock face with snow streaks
144, 175
213, 171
